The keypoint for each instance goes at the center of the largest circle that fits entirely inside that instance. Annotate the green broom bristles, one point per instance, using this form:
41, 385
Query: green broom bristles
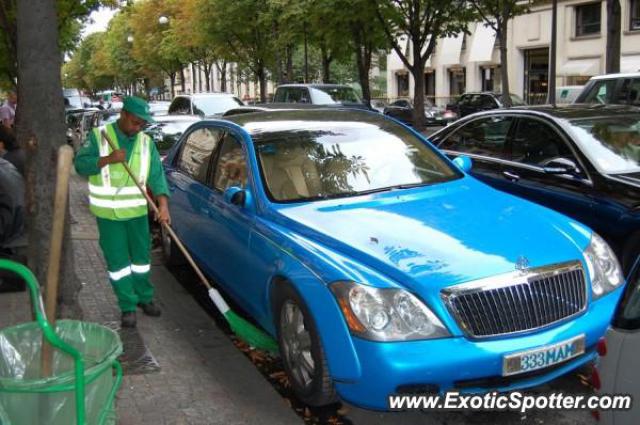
250, 334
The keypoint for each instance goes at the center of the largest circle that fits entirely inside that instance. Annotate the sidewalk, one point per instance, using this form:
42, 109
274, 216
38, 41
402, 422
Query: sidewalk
180, 369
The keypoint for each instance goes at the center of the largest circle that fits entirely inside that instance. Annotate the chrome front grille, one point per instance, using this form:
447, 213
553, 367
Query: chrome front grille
518, 302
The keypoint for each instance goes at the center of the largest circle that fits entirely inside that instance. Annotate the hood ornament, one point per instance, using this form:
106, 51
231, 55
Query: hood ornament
522, 264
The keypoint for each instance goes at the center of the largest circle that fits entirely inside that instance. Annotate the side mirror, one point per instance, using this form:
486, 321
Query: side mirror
235, 195
561, 166
464, 163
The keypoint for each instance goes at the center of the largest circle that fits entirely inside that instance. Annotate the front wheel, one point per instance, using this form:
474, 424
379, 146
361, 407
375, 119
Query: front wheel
301, 349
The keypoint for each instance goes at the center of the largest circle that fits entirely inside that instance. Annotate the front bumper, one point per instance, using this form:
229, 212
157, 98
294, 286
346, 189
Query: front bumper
466, 365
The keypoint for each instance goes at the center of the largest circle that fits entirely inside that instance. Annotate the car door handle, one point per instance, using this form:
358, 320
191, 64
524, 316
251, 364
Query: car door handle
511, 176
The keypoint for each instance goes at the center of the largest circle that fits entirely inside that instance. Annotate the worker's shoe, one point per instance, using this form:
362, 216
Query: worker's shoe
150, 309
129, 319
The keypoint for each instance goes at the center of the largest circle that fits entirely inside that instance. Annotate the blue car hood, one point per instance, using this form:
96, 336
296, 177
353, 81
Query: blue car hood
439, 235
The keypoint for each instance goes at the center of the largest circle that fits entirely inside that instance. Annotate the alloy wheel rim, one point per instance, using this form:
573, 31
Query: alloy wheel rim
296, 341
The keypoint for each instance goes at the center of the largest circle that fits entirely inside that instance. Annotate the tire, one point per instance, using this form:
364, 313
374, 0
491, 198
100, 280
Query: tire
301, 350
170, 251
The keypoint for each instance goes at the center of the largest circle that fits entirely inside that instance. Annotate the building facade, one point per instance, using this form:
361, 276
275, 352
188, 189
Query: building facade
472, 62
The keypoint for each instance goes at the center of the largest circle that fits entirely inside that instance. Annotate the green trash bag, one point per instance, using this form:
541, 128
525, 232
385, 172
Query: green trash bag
85, 373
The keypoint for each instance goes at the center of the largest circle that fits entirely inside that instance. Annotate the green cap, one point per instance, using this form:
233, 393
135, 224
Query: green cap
138, 107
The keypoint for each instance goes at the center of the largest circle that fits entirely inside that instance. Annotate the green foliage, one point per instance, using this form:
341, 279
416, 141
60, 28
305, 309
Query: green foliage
72, 14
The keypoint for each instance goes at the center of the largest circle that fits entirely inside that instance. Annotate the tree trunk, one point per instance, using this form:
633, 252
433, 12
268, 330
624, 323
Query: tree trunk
182, 84
41, 130
417, 70
223, 75
504, 68
326, 65
613, 36
207, 74
172, 78
290, 48
262, 79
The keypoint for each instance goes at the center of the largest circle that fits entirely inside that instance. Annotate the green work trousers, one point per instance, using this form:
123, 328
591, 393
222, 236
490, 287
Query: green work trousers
126, 247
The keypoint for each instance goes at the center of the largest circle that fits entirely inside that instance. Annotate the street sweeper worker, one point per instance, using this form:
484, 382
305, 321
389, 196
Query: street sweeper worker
119, 206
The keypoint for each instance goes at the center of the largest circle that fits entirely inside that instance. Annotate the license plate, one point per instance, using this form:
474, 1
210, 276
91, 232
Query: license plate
539, 358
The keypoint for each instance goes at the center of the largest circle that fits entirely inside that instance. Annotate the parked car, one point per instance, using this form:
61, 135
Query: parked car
618, 370
567, 94
167, 129
402, 110
333, 95
620, 89
380, 266
581, 160
470, 103
266, 107
203, 104
159, 107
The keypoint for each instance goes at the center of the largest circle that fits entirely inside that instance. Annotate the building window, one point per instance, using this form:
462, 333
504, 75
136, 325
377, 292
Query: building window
577, 80
403, 84
588, 19
491, 79
634, 15
430, 85
457, 81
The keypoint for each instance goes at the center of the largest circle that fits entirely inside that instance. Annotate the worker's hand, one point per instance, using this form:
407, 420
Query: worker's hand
118, 155
163, 216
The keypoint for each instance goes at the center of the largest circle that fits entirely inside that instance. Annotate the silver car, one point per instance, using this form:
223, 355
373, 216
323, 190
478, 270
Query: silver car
618, 371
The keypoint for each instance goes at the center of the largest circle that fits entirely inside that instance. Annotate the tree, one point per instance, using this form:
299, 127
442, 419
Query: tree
423, 21
496, 14
612, 60
246, 28
154, 47
87, 68
41, 130
71, 14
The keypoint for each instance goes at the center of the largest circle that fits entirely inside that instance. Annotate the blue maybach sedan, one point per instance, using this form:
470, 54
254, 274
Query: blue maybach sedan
381, 266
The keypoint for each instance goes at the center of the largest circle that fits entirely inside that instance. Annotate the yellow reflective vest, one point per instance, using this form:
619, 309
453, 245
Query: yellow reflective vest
112, 193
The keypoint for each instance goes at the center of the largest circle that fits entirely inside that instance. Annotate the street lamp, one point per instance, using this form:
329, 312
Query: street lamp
130, 39
163, 20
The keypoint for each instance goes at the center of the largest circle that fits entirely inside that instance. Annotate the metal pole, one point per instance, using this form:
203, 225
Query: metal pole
552, 54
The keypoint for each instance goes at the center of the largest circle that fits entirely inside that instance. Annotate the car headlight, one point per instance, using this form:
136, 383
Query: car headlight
603, 266
387, 314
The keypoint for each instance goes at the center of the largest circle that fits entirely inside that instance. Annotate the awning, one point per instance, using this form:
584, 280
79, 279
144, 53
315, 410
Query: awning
484, 38
580, 67
630, 63
449, 50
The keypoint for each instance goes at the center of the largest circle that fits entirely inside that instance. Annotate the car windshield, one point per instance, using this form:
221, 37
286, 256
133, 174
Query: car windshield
338, 159
214, 105
612, 143
329, 95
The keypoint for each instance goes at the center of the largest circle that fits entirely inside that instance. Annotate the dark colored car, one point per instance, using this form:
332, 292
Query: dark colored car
203, 104
330, 95
167, 129
581, 160
402, 110
264, 107
619, 89
470, 103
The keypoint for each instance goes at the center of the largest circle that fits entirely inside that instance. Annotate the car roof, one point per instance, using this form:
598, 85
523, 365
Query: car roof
176, 118
207, 94
317, 86
277, 106
257, 123
619, 75
572, 111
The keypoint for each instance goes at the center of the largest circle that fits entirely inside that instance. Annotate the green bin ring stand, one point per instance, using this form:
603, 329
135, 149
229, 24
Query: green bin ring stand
77, 384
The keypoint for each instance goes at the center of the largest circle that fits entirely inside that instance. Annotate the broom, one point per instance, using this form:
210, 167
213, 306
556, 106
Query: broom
242, 328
